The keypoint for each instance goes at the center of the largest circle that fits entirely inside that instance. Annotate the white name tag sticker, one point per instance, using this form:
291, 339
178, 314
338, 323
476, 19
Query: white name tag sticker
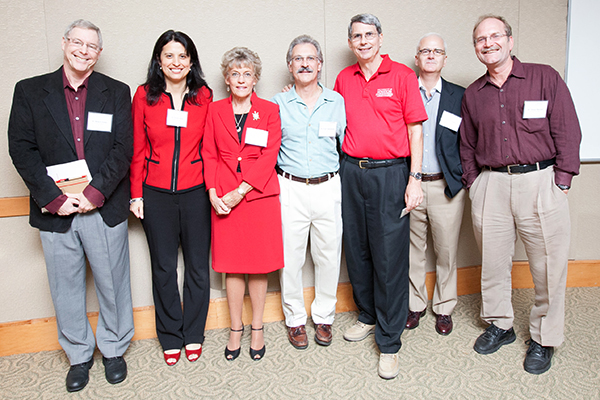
177, 118
327, 128
99, 122
450, 121
535, 109
256, 137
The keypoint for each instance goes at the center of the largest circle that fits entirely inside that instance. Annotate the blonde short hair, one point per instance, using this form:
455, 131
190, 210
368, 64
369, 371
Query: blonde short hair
239, 56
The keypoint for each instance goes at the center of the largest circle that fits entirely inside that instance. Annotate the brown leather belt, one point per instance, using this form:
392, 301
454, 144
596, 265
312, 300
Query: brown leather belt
432, 177
308, 181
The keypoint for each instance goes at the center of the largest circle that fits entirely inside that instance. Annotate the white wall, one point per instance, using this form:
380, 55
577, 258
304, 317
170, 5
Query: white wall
32, 31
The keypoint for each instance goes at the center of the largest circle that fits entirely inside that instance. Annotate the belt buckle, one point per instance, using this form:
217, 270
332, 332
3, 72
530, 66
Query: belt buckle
360, 164
508, 169
307, 181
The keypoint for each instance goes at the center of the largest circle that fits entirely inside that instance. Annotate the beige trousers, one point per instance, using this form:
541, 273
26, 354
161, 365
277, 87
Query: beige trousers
534, 207
310, 213
443, 216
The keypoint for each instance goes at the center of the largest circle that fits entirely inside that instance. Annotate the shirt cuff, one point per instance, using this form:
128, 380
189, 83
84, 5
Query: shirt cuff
562, 178
94, 196
56, 204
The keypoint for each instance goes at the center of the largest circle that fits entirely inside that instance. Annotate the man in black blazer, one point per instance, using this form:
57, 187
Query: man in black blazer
75, 114
443, 197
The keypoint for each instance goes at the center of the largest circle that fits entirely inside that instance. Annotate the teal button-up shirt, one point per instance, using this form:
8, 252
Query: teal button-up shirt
303, 152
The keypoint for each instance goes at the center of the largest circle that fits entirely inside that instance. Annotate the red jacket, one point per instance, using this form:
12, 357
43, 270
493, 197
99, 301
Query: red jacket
166, 157
222, 150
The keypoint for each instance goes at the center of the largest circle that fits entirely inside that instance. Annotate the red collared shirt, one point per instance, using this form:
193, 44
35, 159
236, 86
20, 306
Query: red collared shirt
495, 134
379, 110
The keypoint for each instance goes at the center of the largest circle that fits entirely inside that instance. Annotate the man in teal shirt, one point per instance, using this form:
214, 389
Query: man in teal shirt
313, 118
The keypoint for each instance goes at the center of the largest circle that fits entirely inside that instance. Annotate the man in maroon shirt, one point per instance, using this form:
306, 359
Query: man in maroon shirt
520, 149
68, 115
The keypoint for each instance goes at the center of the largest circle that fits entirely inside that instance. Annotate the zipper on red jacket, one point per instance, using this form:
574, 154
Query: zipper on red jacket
176, 147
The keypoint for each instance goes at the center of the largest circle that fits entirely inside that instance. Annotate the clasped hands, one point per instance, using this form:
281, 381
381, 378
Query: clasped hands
225, 204
76, 203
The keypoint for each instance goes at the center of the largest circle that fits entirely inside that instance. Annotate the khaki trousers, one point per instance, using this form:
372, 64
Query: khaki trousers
443, 216
310, 213
534, 207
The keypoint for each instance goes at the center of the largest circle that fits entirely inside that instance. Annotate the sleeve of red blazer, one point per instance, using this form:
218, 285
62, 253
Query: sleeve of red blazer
209, 149
263, 169
138, 165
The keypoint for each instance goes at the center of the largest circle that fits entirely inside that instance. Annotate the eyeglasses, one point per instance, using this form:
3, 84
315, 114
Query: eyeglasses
437, 52
308, 59
79, 43
237, 75
368, 36
494, 37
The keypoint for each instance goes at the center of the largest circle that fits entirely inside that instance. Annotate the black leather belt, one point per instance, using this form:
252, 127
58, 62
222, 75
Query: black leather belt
523, 168
432, 177
308, 181
367, 163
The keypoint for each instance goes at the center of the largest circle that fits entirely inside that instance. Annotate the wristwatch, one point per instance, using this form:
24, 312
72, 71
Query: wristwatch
416, 175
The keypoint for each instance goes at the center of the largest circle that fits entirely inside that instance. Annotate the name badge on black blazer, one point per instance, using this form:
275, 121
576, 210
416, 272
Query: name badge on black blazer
99, 122
450, 121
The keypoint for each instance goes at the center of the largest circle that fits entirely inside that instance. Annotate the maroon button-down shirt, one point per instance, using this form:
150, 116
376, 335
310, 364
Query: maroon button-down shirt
76, 107
495, 134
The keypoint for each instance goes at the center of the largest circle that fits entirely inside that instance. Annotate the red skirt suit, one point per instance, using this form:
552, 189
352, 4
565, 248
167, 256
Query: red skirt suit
248, 240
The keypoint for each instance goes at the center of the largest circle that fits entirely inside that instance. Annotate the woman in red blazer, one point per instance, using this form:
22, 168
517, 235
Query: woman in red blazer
241, 142
168, 192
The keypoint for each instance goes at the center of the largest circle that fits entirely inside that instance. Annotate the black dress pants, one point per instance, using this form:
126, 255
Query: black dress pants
376, 244
171, 219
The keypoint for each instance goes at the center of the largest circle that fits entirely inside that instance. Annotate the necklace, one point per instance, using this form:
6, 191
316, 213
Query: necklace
238, 124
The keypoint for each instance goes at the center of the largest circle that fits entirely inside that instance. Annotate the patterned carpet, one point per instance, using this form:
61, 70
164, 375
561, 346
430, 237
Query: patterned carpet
433, 367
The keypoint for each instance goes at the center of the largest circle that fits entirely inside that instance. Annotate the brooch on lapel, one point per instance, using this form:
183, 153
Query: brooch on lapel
255, 116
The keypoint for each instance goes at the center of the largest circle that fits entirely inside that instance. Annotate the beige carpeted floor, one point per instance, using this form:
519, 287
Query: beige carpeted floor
433, 367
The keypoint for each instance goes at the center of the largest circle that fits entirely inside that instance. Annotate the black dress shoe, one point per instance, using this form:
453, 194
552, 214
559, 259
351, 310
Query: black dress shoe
78, 376
538, 359
493, 338
115, 369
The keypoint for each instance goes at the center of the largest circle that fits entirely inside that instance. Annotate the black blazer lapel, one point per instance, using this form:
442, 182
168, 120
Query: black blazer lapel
95, 100
57, 106
447, 101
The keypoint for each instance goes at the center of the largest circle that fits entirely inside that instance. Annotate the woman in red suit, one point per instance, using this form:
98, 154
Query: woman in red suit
241, 142
168, 192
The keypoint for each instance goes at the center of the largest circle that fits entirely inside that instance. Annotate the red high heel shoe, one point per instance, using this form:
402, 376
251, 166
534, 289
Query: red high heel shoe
193, 354
171, 358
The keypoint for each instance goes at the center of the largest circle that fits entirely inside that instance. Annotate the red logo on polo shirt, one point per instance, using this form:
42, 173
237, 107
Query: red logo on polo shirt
386, 92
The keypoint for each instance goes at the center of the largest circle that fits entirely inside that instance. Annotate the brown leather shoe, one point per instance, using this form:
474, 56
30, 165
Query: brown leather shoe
443, 324
323, 334
297, 337
413, 318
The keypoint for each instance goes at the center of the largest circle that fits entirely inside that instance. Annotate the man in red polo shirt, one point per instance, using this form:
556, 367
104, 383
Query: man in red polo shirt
384, 113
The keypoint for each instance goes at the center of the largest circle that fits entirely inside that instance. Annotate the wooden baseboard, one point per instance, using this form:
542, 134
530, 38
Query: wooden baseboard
40, 334
14, 206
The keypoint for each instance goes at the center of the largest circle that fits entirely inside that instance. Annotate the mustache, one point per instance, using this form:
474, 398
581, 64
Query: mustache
304, 69
487, 50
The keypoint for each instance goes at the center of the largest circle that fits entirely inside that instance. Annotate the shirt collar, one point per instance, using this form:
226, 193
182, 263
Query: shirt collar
292, 95
517, 71
437, 87
384, 67
67, 84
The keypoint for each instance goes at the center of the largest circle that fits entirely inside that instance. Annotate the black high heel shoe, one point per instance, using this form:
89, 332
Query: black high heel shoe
231, 355
257, 355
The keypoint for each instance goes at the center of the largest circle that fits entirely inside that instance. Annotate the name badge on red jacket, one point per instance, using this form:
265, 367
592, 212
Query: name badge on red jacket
257, 137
